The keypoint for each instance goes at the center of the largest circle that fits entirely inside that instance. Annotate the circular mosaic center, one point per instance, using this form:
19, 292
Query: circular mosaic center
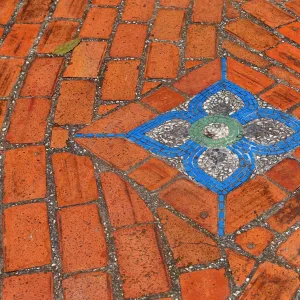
216, 131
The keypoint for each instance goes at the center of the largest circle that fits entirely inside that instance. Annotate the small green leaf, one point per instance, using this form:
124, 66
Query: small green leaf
67, 47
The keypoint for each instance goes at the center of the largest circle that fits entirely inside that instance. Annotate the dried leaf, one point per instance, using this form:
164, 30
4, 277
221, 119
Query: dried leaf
67, 47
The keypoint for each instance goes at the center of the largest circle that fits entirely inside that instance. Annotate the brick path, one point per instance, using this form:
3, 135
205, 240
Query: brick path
90, 211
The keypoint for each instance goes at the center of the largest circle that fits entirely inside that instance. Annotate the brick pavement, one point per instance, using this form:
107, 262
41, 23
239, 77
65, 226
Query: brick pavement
92, 207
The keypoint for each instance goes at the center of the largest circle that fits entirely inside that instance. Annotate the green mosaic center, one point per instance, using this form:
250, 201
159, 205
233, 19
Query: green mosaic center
216, 131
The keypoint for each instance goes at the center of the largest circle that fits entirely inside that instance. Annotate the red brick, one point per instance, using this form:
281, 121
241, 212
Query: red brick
89, 286
249, 201
286, 173
42, 76
247, 77
189, 246
105, 108
122, 120
129, 40
24, 287
26, 240
75, 102
204, 285
286, 76
201, 41
115, 151
252, 34
168, 24
82, 241
192, 63
289, 250
231, 11
244, 54
138, 10
209, 11
99, 22
35, 111
1, 31
33, 11
287, 216
141, 266
70, 9
175, 3
149, 85
286, 54
194, 201
120, 80
3, 106
59, 137
125, 206
240, 266
271, 282
162, 61
86, 60
10, 69
153, 174
296, 113
56, 34
255, 240
164, 99
297, 151
25, 174
19, 40
106, 2
267, 13
7, 8
201, 78
281, 96
294, 5
291, 31
74, 179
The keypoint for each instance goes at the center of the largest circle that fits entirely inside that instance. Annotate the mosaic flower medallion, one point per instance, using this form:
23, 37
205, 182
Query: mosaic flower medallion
219, 138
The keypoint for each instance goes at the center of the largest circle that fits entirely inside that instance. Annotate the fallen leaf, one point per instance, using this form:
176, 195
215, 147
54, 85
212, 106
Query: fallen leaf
67, 47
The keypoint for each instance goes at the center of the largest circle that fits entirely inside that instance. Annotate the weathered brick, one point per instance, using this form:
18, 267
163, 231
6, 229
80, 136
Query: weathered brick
168, 24
74, 179
231, 11
249, 201
19, 40
271, 281
120, 80
194, 201
25, 174
81, 235
285, 75
138, 10
70, 9
35, 111
176, 3
201, 41
286, 54
252, 34
7, 8
267, 13
99, 22
294, 5
10, 69
56, 34
255, 240
287, 216
27, 286
189, 246
75, 102
141, 266
42, 76
162, 61
247, 77
199, 79
115, 151
129, 40
164, 99
286, 173
26, 240
59, 137
205, 285
89, 286
125, 206
33, 11
240, 266
291, 31
209, 11
86, 60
